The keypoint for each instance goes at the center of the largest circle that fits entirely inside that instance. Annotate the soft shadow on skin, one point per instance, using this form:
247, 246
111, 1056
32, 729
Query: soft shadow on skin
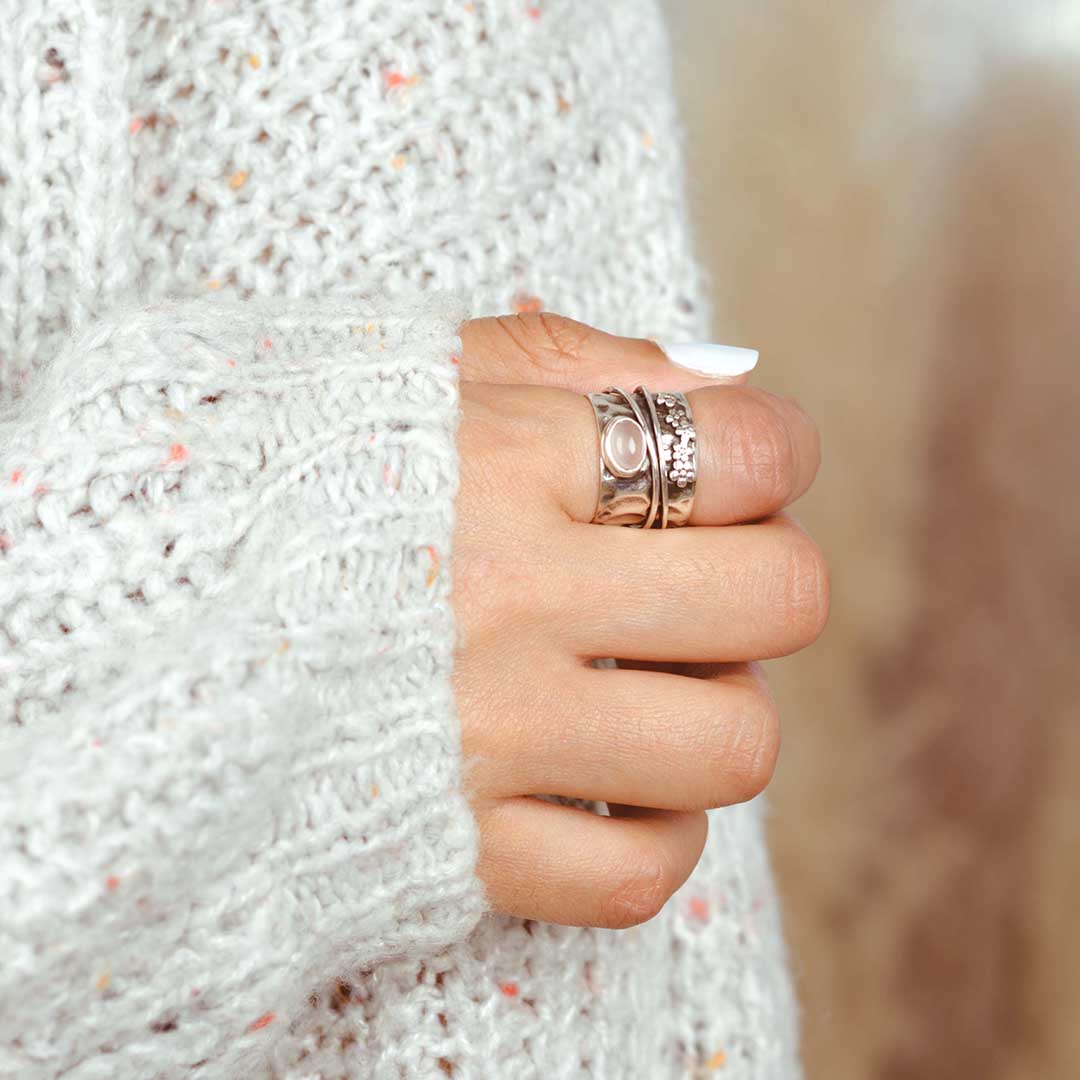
981, 700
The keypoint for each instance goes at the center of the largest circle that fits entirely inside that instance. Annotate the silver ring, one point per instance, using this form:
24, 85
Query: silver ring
663, 499
648, 458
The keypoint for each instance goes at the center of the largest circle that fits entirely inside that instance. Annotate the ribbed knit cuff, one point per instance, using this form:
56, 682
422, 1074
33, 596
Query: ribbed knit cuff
229, 651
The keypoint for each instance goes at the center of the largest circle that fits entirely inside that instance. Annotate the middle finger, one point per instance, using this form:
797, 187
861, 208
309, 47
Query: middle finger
734, 593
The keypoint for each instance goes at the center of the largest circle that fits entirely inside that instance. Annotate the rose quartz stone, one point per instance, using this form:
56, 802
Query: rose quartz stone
624, 447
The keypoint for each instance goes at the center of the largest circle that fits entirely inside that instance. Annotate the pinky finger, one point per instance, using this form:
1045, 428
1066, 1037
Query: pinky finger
561, 864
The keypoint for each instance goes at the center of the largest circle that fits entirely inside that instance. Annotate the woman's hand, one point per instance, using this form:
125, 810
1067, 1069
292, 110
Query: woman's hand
687, 722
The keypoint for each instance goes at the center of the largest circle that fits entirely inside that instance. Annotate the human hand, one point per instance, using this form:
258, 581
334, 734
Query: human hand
686, 723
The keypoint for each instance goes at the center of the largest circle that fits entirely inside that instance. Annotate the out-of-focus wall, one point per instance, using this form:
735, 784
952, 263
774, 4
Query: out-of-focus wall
888, 195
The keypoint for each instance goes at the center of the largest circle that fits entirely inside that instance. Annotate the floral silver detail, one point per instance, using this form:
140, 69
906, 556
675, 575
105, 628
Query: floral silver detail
678, 449
677, 442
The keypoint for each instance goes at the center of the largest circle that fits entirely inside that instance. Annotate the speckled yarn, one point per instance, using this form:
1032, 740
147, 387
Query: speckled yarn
237, 238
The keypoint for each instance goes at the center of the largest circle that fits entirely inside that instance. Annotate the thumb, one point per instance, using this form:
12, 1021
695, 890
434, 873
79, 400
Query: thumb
549, 350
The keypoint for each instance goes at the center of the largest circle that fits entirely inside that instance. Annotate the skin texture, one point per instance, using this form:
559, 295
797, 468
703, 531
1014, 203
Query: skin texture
686, 722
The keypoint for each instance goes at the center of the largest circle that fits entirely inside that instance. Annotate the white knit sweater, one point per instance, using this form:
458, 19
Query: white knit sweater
237, 238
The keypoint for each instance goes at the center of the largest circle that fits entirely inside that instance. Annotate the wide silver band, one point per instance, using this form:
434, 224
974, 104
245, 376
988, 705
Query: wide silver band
648, 458
624, 499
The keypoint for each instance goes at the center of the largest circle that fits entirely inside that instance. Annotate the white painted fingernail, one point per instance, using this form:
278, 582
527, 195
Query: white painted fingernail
715, 360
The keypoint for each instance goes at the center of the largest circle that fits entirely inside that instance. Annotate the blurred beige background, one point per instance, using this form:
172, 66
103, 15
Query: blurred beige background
888, 195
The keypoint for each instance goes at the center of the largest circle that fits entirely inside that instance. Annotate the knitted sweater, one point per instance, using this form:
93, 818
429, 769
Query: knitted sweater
236, 242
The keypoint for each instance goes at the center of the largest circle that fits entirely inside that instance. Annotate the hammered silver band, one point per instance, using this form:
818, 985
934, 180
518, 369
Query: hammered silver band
625, 495
648, 458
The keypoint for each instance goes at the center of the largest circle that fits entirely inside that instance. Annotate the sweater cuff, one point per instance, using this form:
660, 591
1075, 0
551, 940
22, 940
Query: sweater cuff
238, 699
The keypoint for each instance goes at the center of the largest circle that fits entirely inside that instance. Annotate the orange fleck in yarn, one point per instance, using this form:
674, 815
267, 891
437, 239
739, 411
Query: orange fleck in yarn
103, 981
16, 476
112, 883
533, 12
436, 562
238, 179
254, 61
717, 1061
267, 343
5, 542
526, 304
263, 1021
136, 125
177, 452
699, 908
510, 989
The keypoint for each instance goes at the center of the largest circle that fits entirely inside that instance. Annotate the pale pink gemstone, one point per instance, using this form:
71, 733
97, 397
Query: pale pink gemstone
623, 447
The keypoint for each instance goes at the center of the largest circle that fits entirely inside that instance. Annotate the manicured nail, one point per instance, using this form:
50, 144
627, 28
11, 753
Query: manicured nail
714, 360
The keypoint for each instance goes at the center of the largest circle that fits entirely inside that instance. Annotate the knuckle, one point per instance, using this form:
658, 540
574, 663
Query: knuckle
805, 589
739, 749
762, 449
638, 891
513, 330
755, 748
563, 338
551, 342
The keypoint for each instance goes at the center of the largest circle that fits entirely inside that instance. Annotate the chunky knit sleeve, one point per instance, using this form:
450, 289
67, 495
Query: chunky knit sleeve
229, 761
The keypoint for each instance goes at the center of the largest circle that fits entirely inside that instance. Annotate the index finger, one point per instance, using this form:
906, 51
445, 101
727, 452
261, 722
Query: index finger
549, 350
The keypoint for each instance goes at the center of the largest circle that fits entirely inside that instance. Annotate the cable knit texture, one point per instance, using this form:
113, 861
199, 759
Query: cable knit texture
236, 243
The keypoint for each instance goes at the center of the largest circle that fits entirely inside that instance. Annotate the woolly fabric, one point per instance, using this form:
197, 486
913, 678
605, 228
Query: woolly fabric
236, 241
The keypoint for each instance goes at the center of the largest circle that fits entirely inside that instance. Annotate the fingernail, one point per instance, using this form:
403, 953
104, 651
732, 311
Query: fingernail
715, 360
